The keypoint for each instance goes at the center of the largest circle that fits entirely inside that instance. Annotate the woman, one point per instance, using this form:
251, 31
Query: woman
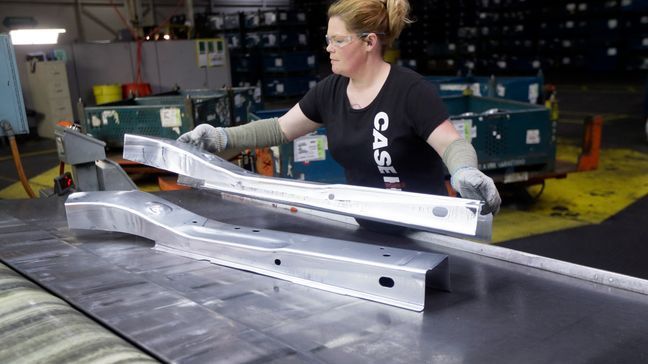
385, 124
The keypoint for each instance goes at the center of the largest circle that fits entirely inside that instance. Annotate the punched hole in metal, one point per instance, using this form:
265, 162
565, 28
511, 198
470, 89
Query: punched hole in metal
237, 228
440, 211
386, 282
277, 262
255, 230
386, 255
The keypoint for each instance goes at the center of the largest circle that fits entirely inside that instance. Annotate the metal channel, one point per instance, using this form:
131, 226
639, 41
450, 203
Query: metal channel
415, 210
594, 275
392, 276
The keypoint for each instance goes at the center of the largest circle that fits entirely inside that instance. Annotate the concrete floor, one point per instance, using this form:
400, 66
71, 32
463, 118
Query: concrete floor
598, 217
591, 218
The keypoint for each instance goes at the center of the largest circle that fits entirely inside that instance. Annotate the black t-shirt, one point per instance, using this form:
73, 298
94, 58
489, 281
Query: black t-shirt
384, 144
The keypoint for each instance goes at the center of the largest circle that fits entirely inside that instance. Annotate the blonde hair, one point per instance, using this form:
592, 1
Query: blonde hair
373, 16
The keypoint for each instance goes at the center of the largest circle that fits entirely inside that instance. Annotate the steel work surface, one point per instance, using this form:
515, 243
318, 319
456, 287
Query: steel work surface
183, 310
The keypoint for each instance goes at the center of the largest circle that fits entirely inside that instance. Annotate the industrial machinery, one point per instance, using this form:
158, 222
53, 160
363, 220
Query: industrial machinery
12, 107
91, 170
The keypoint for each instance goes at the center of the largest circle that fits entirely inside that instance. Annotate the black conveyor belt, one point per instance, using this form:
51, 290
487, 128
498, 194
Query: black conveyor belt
192, 311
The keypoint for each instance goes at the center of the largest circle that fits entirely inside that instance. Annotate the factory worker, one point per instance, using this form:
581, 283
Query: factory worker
385, 124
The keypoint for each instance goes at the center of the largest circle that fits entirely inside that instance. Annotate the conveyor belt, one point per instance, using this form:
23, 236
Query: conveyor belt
192, 311
36, 326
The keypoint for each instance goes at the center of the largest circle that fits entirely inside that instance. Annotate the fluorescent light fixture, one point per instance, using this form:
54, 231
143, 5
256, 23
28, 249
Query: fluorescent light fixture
35, 36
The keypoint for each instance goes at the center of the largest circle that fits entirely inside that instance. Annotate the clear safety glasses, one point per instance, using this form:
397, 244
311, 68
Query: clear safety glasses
340, 41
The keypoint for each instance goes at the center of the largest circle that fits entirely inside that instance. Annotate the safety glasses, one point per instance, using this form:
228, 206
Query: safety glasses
339, 41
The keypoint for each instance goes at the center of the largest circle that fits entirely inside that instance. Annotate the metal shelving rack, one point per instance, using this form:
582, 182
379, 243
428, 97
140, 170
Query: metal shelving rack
510, 36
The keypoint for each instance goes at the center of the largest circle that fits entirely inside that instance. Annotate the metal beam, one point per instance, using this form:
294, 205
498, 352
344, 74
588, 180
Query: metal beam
99, 22
421, 211
594, 275
392, 276
78, 9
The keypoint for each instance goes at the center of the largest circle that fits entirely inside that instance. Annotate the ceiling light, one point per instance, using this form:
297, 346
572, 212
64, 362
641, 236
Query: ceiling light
35, 36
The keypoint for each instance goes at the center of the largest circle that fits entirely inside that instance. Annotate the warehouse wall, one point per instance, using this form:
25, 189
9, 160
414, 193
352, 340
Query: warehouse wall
100, 21
165, 65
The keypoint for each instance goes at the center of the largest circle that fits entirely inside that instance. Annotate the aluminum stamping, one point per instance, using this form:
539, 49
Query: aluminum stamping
393, 276
416, 210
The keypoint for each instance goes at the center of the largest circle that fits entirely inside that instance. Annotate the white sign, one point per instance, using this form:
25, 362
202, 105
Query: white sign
170, 117
309, 148
533, 136
465, 128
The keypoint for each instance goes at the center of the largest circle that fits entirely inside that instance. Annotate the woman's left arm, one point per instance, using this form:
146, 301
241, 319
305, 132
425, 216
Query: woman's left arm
442, 136
461, 159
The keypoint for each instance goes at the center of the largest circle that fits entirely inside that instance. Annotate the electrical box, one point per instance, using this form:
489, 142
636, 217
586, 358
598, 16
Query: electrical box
12, 106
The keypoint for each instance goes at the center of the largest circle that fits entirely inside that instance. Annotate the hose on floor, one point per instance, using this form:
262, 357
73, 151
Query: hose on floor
6, 127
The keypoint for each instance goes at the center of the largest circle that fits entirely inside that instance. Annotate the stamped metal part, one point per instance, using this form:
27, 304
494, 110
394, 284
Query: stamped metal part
393, 276
416, 210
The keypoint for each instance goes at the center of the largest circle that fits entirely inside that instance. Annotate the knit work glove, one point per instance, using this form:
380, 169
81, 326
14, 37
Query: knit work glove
473, 184
206, 137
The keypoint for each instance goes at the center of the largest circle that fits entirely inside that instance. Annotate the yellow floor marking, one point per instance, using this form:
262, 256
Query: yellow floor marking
513, 224
31, 154
606, 89
149, 187
567, 117
43, 180
581, 198
46, 180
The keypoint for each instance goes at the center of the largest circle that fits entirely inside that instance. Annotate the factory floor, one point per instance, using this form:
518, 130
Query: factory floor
592, 218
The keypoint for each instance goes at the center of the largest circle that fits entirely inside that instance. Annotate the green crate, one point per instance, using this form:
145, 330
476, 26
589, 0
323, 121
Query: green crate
209, 106
161, 115
241, 101
246, 100
506, 134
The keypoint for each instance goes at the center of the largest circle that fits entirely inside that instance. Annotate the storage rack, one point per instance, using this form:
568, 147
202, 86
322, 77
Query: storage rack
512, 36
270, 48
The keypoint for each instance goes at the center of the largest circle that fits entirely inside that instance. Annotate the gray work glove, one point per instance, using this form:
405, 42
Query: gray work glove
206, 137
471, 183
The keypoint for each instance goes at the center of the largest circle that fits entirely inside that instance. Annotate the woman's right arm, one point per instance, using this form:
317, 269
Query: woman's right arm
260, 133
295, 124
